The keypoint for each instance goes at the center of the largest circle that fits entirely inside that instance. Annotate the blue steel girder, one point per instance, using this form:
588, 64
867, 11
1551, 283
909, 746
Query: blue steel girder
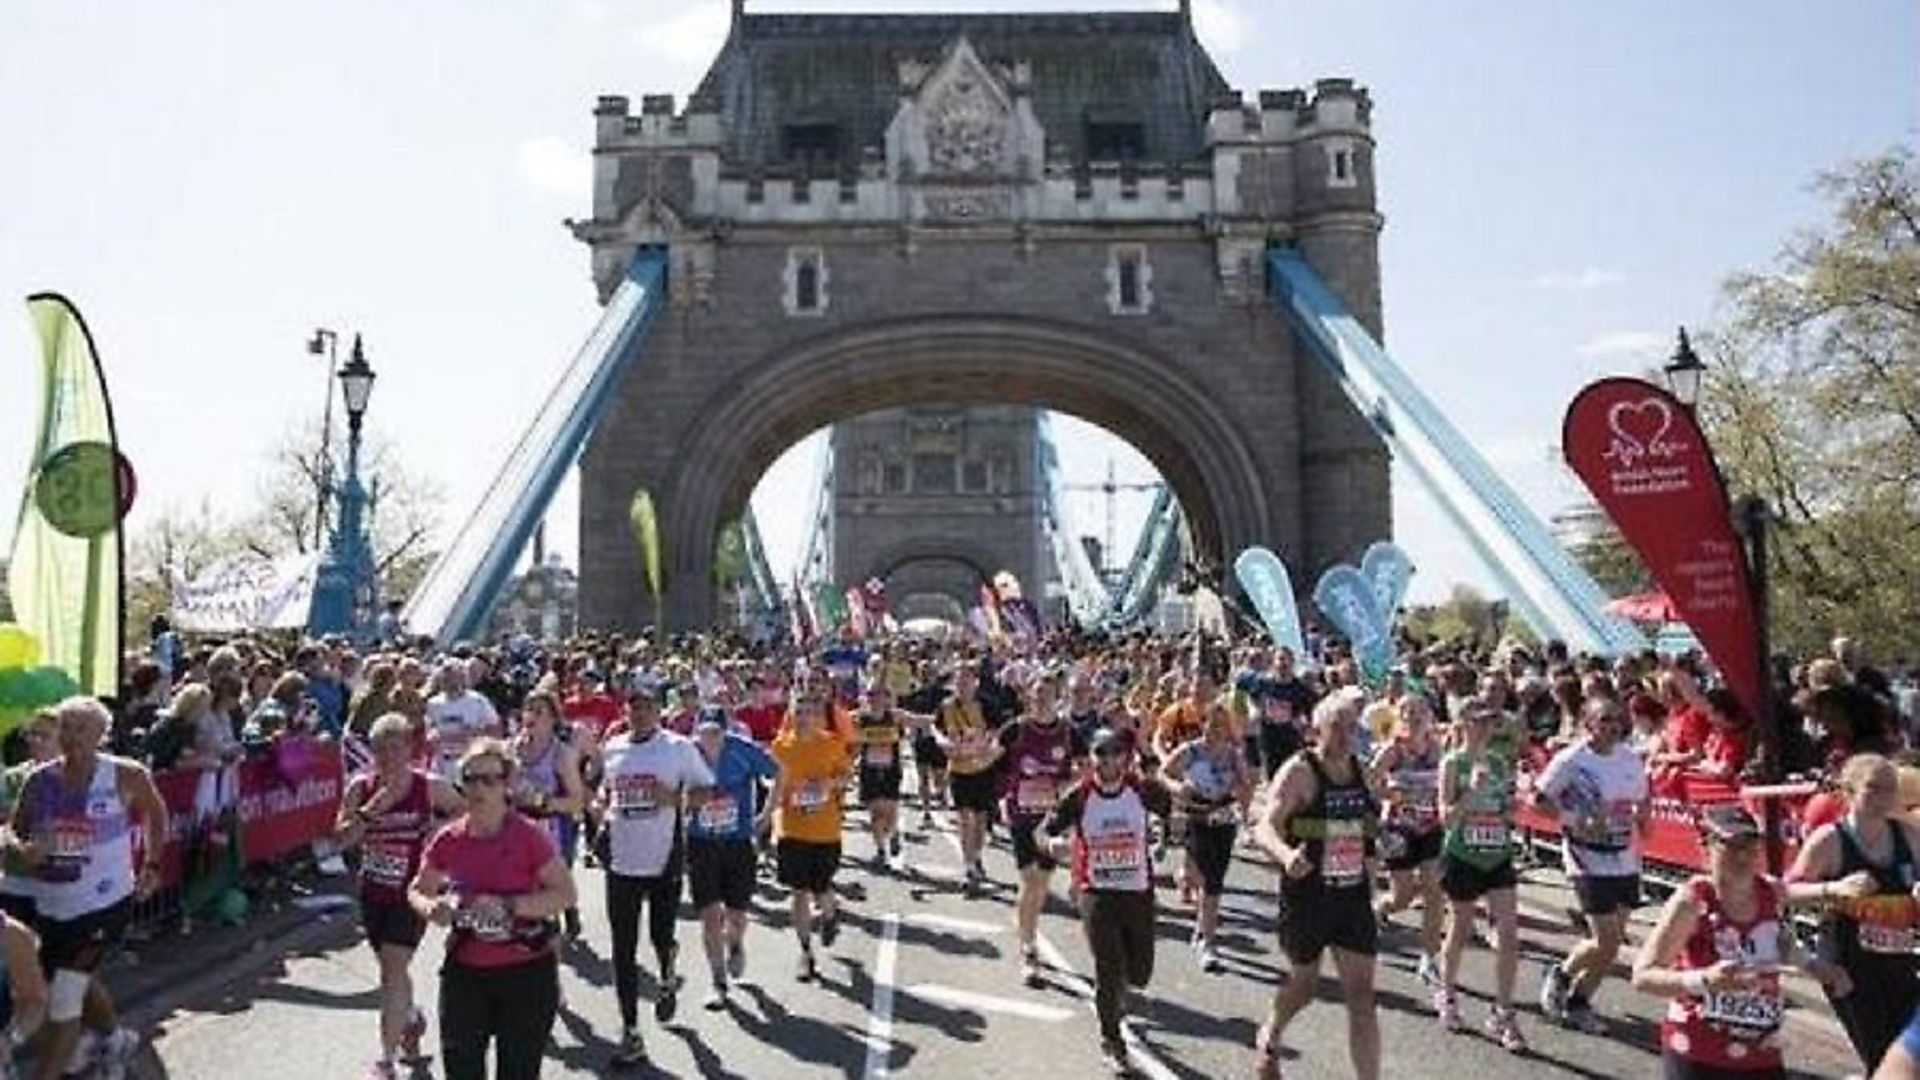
460, 589
1553, 592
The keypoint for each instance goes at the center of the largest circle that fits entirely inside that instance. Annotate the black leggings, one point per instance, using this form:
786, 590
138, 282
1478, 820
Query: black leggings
625, 895
511, 1007
1119, 929
1885, 994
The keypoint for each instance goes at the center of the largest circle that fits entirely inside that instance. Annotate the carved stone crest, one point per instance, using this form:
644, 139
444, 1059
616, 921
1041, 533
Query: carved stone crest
966, 129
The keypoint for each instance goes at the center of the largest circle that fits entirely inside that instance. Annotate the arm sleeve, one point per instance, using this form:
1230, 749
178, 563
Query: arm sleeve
1060, 822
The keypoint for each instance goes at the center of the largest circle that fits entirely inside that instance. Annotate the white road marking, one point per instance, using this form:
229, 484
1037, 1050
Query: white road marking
968, 999
880, 1025
948, 922
1139, 1053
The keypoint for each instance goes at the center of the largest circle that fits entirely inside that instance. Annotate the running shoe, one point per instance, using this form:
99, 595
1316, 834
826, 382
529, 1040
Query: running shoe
1427, 971
1447, 1007
1267, 1050
736, 960
716, 1000
1504, 1029
830, 929
416, 1030
382, 1069
1114, 1057
116, 1053
1554, 988
806, 971
893, 845
668, 1002
1580, 1017
878, 864
1209, 959
1030, 966
631, 1051
570, 923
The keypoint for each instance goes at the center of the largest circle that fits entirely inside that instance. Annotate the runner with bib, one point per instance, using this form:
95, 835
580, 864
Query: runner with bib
1599, 786
1718, 953
550, 788
494, 879
1407, 769
1102, 826
1214, 781
649, 778
387, 814
814, 767
1862, 868
720, 855
73, 827
1476, 855
972, 754
1319, 828
880, 732
1041, 753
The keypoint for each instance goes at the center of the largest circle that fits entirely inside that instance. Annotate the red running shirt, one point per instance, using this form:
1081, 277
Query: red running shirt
1735, 1030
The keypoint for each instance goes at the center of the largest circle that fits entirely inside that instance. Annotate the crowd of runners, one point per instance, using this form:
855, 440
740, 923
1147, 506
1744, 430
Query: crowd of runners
485, 780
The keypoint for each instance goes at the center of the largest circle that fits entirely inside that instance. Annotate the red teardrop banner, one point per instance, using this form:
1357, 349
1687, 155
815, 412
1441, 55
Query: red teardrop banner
1642, 455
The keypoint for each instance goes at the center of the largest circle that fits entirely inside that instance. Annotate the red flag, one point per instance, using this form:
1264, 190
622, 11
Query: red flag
1642, 455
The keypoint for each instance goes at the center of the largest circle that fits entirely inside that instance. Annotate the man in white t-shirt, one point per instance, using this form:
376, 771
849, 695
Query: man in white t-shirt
455, 717
1599, 786
650, 778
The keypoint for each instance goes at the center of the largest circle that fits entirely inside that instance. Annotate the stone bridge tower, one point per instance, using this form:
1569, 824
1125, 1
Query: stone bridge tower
1057, 210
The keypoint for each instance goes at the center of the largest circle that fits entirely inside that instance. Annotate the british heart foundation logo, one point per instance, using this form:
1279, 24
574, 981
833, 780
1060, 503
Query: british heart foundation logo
1639, 431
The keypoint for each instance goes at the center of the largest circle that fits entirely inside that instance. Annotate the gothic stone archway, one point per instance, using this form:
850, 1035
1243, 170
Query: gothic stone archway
872, 211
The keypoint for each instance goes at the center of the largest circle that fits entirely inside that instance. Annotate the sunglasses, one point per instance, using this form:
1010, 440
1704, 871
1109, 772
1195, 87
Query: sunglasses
482, 778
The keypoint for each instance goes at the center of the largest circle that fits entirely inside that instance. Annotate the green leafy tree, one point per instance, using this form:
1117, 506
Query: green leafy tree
1813, 401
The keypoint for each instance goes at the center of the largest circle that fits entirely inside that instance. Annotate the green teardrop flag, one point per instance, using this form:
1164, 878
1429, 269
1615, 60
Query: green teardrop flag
730, 554
64, 575
646, 533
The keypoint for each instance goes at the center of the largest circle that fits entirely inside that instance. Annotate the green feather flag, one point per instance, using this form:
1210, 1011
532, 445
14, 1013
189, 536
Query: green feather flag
730, 554
646, 532
64, 574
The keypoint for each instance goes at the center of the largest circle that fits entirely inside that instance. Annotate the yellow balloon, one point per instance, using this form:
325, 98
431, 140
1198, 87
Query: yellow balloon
18, 648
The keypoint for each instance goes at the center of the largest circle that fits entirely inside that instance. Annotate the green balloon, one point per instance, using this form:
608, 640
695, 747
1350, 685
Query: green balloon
49, 686
16, 688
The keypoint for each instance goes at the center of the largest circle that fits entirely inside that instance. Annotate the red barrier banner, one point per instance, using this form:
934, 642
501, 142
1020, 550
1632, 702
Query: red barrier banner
283, 802
1642, 455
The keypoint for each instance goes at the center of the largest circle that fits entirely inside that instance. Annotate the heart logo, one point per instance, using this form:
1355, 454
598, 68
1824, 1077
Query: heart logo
1639, 429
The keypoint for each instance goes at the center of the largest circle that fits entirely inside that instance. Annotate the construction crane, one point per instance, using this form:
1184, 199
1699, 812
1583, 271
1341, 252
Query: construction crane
1112, 488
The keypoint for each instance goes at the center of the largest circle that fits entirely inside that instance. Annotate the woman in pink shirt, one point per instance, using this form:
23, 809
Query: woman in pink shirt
495, 879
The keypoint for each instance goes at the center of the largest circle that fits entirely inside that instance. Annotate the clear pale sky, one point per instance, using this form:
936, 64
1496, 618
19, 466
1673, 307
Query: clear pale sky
1564, 183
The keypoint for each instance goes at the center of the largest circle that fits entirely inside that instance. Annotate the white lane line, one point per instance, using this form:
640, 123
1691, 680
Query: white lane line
948, 922
1139, 1053
968, 999
880, 1025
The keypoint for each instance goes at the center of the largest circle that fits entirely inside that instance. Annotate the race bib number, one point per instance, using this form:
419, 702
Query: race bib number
1277, 710
1343, 861
489, 926
1887, 940
1486, 833
1035, 796
810, 797
636, 794
1116, 861
719, 814
386, 866
880, 755
1748, 1012
69, 846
